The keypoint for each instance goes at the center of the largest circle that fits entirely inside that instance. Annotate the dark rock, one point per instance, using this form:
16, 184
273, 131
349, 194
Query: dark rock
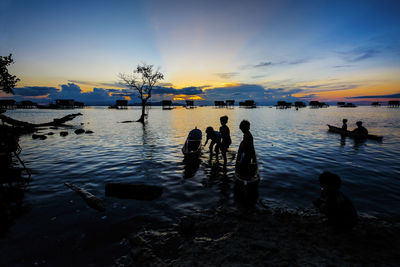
39, 136
50, 133
89, 132
79, 131
63, 133
133, 191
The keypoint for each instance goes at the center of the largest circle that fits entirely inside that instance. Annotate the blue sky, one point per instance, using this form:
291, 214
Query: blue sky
328, 49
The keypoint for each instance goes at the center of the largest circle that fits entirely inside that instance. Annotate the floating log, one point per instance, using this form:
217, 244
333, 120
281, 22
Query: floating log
133, 191
90, 199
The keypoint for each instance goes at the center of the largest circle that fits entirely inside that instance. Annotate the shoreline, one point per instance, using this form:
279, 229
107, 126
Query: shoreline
263, 236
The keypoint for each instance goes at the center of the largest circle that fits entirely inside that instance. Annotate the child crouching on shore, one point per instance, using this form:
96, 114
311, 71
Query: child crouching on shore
338, 209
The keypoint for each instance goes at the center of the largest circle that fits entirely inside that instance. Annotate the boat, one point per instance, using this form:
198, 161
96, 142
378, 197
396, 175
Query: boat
248, 176
192, 146
246, 183
334, 129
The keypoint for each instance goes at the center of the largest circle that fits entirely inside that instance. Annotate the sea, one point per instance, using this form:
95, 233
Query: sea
293, 148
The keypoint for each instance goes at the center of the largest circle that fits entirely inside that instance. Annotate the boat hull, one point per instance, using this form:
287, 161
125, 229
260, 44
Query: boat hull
334, 129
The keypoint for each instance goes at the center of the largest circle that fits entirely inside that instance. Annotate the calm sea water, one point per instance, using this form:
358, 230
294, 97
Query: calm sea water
293, 148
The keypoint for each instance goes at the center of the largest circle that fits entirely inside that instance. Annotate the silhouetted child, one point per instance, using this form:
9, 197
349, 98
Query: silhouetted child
215, 140
246, 153
225, 136
344, 126
334, 204
360, 130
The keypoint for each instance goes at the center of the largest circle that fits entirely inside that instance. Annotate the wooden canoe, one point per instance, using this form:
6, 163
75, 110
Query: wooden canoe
334, 129
192, 152
250, 176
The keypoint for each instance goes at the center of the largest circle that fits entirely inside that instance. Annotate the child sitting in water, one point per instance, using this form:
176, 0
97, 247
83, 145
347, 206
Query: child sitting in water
225, 135
334, 204
215, 140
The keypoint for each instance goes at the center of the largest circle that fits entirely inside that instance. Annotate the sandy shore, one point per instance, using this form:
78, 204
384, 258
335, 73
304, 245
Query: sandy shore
263, 236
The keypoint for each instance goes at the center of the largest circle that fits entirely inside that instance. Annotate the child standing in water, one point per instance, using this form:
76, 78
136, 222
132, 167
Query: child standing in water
225, 136
246, 153
215, 140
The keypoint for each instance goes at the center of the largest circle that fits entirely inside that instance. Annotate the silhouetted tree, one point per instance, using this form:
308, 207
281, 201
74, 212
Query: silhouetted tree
7, 81
142, 80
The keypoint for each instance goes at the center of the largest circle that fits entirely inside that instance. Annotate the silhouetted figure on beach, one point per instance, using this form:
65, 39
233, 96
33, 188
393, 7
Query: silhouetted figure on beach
344, 126
246, 153
338, 209
215, 140
360, 130
225, 136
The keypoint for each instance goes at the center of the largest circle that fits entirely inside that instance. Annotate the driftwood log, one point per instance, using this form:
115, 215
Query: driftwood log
27, 127
93, 201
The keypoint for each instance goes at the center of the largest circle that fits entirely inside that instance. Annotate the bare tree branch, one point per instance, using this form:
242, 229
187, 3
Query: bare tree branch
143, 79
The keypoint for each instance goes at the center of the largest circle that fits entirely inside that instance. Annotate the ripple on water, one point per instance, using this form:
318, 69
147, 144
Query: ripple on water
293, 148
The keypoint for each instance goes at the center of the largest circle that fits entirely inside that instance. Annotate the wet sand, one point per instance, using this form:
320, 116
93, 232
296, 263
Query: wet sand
263, 236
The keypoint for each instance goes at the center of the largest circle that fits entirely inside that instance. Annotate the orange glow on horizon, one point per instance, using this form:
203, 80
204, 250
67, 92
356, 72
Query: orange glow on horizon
182, 97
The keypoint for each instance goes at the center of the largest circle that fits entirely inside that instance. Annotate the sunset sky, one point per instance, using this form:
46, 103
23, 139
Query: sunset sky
212, 50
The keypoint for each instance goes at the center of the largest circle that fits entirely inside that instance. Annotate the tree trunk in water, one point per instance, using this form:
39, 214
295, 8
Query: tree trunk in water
143, 111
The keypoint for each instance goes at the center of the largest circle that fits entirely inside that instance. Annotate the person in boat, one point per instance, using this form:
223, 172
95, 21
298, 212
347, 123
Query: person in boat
225, 136
344, 126
246, 153
339, 210
215, 140
360, 130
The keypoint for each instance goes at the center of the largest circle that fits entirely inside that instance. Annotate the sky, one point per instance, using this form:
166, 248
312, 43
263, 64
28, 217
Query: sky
207, 50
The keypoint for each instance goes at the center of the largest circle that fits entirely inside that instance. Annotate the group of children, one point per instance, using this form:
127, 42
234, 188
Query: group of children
222, 141
338, 209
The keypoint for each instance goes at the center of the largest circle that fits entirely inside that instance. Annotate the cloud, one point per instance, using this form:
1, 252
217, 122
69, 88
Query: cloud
375, 96
97, 95
296, 62
169, 90
284, 62
359, 54
227, 75
256, 92
35, 91
106, 84
165, 84
342, 66
327, 87
263, 64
